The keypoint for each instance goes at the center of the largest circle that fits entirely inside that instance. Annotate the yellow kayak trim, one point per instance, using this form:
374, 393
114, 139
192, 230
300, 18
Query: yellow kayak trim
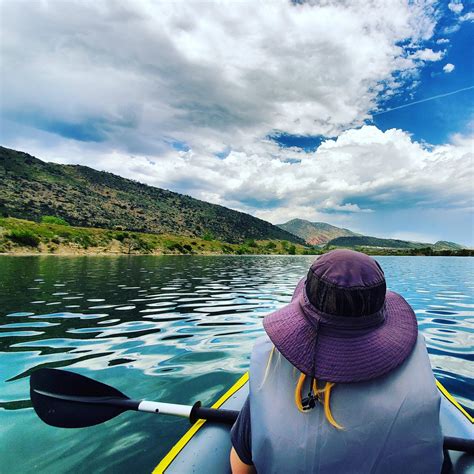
176, 449
453, 401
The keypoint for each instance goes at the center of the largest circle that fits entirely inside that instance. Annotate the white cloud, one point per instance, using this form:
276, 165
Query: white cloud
442, 41
142, 74
456, 7
468, 17
448, 68
427, 54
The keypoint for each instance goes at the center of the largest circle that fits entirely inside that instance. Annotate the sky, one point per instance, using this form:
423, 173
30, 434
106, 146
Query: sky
359, 114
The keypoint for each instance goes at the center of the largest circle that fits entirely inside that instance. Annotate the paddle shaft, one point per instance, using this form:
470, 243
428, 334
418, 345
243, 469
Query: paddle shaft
194, 413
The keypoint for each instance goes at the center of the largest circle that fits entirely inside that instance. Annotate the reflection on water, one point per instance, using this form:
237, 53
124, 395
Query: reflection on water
175, 329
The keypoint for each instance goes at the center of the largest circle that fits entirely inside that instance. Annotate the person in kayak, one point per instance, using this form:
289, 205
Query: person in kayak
341, 382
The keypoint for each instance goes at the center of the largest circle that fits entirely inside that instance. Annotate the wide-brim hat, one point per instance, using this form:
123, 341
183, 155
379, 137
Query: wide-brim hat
342, 325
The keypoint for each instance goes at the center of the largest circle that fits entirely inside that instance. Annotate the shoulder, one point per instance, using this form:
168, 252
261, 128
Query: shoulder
261, 346
260, 355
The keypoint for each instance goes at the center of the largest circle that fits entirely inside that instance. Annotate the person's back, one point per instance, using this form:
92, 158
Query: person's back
342, 382
389, 424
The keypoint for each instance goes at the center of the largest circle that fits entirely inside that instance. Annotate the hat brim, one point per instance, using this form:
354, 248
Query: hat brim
337, 358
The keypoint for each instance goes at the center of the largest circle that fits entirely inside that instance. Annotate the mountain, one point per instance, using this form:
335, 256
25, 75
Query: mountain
320, 233
315, 233
366, 241
31, 188
445, 245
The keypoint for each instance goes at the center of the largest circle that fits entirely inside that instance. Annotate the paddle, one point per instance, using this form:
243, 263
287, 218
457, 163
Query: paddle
69, 400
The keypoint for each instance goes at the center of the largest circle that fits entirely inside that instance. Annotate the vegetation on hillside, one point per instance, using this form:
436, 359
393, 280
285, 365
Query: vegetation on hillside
23, 236
84, 197
320, 233
375, 242
19, 236
420, 251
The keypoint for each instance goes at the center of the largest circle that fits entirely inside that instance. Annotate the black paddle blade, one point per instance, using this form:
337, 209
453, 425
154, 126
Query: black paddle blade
68, 400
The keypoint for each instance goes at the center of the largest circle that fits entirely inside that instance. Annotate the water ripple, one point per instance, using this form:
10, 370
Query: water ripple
181, 329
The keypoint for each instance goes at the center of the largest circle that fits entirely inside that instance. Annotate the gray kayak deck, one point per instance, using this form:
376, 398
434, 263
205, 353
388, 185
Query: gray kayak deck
205, 448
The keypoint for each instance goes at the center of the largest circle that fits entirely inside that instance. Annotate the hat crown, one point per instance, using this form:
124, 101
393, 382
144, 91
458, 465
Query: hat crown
346, 283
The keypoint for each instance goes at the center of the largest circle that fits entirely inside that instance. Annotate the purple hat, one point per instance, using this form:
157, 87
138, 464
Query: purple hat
342, 324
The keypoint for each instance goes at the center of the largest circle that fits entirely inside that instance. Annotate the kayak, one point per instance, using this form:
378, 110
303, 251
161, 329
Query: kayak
205, 447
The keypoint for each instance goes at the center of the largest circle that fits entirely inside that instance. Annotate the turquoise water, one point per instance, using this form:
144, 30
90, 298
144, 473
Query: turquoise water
175, 329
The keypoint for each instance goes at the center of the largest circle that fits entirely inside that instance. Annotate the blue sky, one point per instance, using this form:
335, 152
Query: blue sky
358, 114
435, 120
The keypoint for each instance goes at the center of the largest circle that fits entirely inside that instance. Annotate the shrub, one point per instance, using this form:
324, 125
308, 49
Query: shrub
121, 236
292, 250
135, 243
251, 243
3, 211
84, 240
242, 250
175, 246
188, 247
53, 220
271, 246
208, 236
143, 245
24, 237
55, 240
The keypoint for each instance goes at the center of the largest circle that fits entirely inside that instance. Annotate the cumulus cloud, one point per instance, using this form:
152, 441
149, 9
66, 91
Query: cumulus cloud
447, 68
468, 17
428, 54
442, 41
456, 7
142, 75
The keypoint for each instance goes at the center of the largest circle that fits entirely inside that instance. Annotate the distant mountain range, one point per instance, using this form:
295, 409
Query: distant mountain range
31, 188
315, 233
365, 241
320, 233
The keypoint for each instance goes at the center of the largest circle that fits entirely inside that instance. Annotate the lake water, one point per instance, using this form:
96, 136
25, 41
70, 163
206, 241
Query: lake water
177, 329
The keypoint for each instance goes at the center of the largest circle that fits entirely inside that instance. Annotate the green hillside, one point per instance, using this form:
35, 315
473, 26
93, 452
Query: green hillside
51, 236
31, 188
320, 233
365, 241
315, 233
445, 245
55, 236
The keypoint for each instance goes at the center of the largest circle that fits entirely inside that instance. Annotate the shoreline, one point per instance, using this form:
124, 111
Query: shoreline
203, 254
19, 237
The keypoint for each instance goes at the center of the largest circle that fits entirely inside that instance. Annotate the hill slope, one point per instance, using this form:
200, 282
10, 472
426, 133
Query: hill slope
315, 233
31, 188
365, 241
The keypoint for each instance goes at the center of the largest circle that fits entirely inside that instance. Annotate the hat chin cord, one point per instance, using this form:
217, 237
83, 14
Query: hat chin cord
309, 402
